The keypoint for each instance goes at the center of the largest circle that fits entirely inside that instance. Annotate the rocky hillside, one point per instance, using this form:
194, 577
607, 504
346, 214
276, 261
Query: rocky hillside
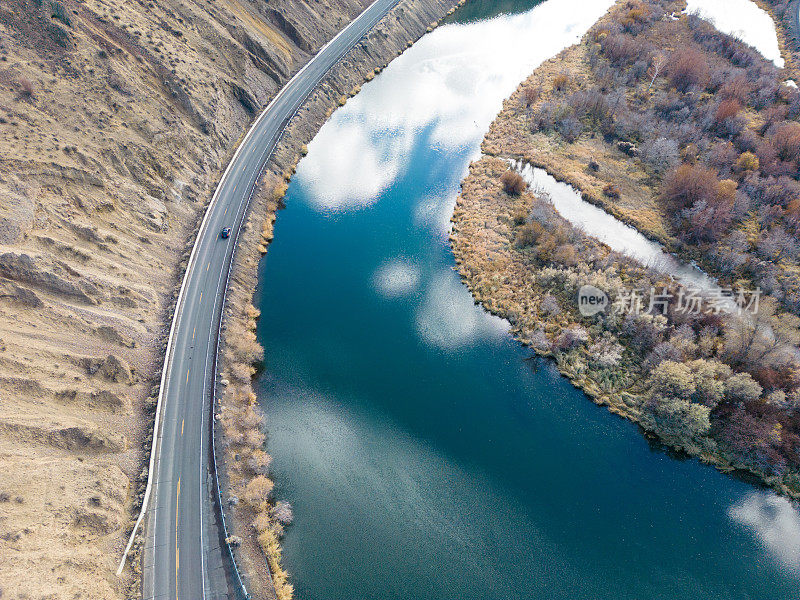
116, 119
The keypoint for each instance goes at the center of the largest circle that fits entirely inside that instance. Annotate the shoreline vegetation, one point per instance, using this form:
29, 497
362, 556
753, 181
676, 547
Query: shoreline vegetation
693, 139
257, 519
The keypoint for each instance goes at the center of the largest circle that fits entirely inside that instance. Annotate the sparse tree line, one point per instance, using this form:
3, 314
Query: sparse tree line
242, 422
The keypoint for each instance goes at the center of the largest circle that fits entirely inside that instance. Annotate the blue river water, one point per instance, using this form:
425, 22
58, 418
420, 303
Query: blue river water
425, 454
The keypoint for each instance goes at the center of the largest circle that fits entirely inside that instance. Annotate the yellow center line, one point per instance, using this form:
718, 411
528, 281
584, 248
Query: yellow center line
208, 265
177, 549
201, 296
194, 331
187, 375
182, 421
235, 186
226, 211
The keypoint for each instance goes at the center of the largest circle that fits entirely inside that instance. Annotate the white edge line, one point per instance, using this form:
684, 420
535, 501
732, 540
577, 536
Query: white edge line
179, 303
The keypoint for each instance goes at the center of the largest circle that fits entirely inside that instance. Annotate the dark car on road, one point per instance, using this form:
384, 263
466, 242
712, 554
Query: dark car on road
226, 233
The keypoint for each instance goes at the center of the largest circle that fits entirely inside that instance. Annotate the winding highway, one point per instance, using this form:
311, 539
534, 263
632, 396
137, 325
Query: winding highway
185, 555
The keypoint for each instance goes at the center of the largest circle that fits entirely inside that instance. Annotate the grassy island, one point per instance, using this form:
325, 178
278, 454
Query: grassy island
692, 138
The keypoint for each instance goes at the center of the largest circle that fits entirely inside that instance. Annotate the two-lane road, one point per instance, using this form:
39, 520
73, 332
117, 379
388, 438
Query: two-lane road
183, 555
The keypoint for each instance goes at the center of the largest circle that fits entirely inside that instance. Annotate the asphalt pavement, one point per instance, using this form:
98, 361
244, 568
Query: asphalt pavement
185, 555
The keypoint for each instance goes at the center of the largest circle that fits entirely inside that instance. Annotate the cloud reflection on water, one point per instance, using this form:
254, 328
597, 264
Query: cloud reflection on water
435, 84
434, 213
351, 165
448, 318
397, 278
775, 522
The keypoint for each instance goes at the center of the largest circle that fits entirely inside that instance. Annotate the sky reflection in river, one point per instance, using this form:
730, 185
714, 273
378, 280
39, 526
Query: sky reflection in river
448, 318
774, 521
424, 458
743, 19
450, 85
453, 81
397, 278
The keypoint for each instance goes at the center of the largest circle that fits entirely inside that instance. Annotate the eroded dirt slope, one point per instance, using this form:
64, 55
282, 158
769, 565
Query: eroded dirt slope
116, 119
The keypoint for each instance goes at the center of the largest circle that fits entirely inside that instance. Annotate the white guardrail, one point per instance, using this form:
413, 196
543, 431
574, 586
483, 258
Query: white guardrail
158, 418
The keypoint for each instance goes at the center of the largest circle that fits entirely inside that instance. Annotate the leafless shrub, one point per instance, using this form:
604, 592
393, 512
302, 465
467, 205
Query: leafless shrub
26, 87
660, 154
689, 184
735, 87
282, 512
776, 245
550, 305
561, 81
688, 69
570, 128
259, 462
663, 351
723, 157
529, 234
763, 340
636, 18
593, 106
530, 95
513, 183
540, 342
725, 114
605, 352
621, 49
773, 115
611, 191
643, 332
566, 255
571, 337
705, 221
786, 139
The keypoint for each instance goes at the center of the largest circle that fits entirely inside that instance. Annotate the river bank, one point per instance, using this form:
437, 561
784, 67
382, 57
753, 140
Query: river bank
258, 526
525, 263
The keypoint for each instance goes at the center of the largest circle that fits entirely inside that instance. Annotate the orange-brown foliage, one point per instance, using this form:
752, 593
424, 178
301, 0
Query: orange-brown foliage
689, 68
531, 95
786, 139
727, 109
513, 183
688, 184
612, 191
561, 82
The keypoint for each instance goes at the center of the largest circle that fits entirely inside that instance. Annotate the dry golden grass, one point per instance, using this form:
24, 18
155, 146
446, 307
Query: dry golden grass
510, 136
277, 38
